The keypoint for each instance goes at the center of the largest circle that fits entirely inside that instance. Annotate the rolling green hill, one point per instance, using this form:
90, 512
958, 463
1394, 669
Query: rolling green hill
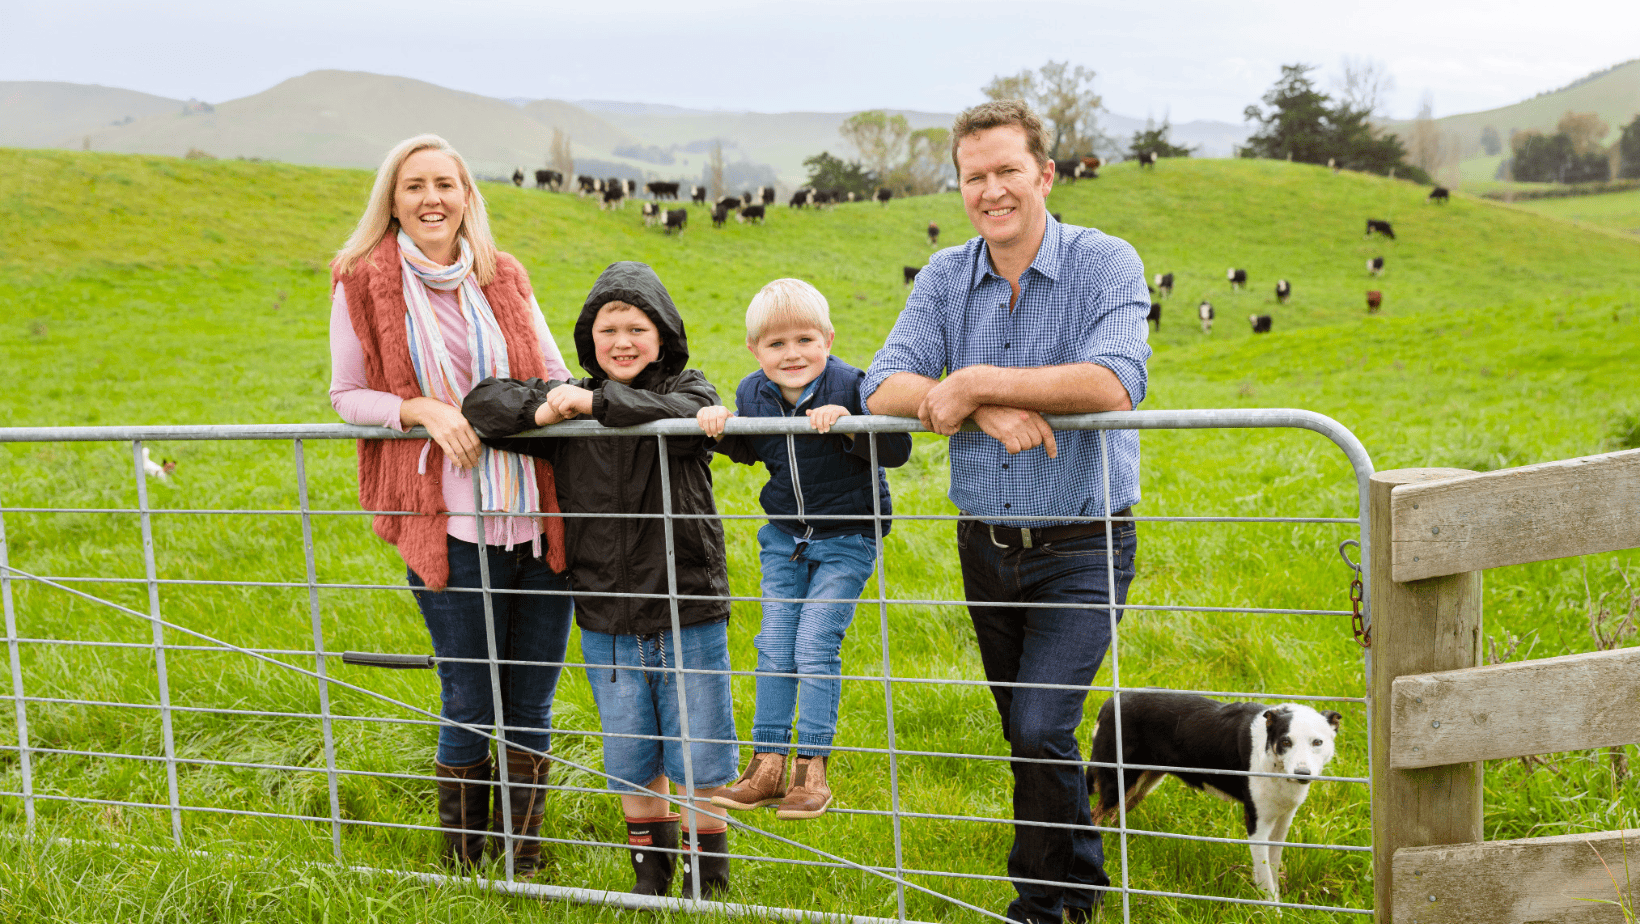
150, 290
1613, 94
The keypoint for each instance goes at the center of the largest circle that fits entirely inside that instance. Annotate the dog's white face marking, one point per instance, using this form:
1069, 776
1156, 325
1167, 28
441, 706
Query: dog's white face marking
1299, 740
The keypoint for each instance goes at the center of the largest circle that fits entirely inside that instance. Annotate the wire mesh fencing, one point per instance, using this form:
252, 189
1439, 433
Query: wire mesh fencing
204, 666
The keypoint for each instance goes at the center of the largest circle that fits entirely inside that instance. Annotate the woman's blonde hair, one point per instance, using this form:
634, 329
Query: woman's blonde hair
785, 304
378, 221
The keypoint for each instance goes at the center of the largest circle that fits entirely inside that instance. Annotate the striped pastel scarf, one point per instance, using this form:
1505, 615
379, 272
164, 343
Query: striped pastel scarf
506, 480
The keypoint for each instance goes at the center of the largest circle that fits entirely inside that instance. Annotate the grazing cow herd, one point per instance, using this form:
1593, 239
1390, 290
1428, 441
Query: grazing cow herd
752, 207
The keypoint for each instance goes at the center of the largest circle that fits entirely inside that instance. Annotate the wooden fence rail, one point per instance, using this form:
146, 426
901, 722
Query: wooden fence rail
1437, 713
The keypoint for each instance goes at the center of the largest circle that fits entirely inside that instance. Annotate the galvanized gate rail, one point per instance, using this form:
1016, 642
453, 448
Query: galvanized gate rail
898, 873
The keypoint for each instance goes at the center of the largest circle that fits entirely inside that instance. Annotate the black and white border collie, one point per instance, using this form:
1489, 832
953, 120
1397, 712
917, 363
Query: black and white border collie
1168, 729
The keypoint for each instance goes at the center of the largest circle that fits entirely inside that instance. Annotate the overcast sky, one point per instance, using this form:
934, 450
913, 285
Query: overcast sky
1197, 59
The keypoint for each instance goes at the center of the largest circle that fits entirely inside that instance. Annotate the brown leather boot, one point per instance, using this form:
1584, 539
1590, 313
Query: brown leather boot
464, 810
526, 782
809, 794
763, 783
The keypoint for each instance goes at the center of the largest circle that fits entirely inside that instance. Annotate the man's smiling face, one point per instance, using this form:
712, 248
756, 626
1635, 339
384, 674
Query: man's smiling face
1003, 187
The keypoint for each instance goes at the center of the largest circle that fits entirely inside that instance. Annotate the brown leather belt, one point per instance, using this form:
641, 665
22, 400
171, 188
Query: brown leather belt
1022, 537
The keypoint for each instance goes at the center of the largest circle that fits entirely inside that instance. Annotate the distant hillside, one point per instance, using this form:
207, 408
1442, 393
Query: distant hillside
42, 114
349, 119
1613, 93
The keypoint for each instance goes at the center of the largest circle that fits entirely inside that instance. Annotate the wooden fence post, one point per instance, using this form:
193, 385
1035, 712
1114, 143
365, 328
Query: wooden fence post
1417, 627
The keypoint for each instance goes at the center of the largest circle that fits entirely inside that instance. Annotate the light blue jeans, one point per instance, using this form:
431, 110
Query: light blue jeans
806, 636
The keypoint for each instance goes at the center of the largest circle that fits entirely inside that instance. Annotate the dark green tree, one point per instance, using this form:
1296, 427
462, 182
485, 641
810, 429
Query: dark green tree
1541, 158
1155, 139
1305, 125
1628, 150
828, 172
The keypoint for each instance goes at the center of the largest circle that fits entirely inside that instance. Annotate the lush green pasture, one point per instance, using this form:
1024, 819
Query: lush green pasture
1614, 211
152, 291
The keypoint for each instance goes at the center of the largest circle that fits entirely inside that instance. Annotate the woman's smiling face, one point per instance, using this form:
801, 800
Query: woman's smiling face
430, 201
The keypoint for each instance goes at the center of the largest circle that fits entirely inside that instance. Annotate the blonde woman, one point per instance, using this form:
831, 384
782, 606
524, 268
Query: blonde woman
423, 306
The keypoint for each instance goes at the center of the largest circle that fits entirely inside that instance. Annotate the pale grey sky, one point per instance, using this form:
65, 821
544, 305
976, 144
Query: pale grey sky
1195, 59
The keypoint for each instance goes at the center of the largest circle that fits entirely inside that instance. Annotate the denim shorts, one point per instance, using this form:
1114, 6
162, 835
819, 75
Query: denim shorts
635, 683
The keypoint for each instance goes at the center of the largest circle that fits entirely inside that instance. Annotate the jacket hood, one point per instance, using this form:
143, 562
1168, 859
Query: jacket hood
636, 284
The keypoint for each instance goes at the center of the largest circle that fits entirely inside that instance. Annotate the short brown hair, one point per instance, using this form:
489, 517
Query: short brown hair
996, 113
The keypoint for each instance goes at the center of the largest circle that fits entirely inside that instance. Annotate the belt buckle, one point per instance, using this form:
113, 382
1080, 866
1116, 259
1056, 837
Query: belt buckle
1024, 536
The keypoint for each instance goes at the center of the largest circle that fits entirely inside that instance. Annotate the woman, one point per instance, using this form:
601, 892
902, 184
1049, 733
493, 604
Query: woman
423, 306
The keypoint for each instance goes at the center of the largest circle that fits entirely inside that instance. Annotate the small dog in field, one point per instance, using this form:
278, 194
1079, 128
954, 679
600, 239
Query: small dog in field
1168, 729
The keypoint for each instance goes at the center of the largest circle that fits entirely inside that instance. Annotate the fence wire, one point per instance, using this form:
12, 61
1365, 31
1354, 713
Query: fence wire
171, 640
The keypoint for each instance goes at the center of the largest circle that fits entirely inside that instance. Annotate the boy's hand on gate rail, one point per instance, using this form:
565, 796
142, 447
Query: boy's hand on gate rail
821, 418
712, 419
570, 401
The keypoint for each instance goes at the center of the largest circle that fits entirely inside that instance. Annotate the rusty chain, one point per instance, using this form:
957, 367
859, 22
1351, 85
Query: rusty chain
1358, 590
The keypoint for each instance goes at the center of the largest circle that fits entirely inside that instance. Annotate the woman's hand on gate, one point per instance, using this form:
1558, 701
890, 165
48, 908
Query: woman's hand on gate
446, 426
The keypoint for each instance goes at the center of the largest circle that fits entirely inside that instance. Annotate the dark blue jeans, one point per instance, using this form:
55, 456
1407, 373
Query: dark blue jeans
528, 627
1049, 645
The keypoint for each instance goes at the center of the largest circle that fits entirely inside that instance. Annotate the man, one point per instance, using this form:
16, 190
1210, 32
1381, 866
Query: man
1030, 318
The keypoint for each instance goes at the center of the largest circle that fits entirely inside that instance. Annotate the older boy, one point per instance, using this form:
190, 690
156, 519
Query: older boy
814, 563
630, 339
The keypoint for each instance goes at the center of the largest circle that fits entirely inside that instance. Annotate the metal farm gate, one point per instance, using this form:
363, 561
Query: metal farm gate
101, 687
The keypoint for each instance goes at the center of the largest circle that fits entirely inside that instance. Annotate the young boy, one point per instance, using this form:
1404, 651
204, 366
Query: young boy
813, 569
630, 339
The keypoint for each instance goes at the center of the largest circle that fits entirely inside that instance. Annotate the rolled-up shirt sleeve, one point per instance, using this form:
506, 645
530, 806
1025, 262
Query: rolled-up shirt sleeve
917, 342
350, 391
1117, 319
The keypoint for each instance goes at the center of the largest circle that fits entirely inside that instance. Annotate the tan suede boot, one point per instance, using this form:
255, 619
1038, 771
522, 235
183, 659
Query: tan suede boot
763, 783
809, 794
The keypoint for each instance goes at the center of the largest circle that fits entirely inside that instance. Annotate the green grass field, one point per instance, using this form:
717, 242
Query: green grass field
1618, 211
154, 291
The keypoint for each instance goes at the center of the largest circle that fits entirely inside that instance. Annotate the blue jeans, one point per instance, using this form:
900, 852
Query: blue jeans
635, 684
1049, 645
528, 627
805, 637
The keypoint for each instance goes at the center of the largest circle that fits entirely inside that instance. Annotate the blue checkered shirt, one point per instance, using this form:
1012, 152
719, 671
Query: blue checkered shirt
1082, 300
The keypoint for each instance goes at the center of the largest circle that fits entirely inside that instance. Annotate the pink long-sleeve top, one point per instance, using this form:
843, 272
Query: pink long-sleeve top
357, 403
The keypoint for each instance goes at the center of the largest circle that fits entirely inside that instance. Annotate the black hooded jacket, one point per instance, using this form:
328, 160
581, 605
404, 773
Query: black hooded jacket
612, 557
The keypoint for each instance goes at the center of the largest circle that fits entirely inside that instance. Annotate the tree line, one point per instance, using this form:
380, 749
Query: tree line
1574, 154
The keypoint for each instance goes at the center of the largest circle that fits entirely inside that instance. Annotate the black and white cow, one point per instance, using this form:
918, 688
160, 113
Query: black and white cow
1155, 315
697, 194
765, 194
720, 214
751, 213
1260, 322
1204, 312
884, 194
1237, 277
614, 197
588, 184
1164, 284
910, 273
676, 219
1147, 159
651, 213
1067, 170
1375, 266
800, 199
541, 177
1440, 194
553, 180
518, 177
1284, 290
1375, 226
732, 203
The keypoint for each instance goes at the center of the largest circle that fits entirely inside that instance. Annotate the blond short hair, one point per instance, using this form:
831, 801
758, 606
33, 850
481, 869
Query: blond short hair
997, 113
378, 222
787, 303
